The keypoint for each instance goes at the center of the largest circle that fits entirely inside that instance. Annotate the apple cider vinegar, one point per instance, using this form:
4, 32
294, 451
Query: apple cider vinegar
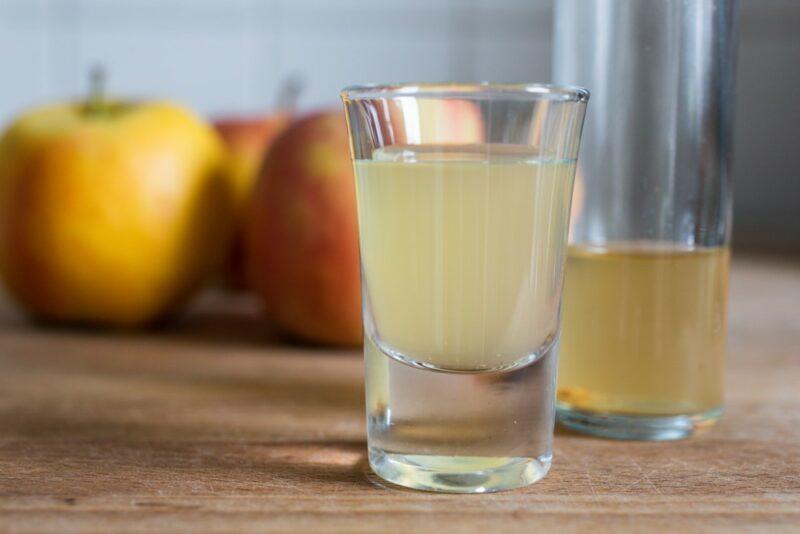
462, 252
448, 287
644, 330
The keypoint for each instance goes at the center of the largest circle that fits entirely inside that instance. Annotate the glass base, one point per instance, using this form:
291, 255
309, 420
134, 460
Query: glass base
649, 428
457, 474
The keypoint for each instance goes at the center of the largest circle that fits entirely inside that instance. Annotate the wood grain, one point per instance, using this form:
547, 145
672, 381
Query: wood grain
216, 424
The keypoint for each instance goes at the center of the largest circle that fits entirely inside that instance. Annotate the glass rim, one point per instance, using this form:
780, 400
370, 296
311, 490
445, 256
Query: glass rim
475, 91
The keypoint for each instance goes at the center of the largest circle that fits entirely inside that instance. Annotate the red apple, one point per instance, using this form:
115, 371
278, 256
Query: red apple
248, 139
302, 233
435, 121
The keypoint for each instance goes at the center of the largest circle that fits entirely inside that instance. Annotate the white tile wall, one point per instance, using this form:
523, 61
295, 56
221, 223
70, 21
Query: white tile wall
220, 55
231, 56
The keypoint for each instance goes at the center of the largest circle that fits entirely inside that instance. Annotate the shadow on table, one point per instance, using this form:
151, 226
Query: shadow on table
214, 318
563, 431
222, 318
221, 328
105, 387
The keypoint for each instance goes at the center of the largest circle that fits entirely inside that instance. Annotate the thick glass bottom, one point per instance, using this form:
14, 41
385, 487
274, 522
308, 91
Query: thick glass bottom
635, 427
457, 474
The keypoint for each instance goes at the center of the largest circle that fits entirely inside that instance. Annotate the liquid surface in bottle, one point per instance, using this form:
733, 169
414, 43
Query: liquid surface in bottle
462, 252
644, 327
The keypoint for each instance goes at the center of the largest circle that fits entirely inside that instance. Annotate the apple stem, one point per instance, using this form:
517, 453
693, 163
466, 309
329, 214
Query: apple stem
96, 103
289, 92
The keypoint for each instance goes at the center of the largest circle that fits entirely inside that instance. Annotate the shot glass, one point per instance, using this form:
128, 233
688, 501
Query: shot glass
463, 196
646, 295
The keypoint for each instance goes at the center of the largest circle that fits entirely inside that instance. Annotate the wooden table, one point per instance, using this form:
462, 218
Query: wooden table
216, 424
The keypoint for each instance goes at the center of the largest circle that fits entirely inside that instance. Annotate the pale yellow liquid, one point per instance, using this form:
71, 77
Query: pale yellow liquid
644, 329
462, 252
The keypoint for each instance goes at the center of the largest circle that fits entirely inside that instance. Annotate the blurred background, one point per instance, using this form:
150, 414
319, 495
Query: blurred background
231, 56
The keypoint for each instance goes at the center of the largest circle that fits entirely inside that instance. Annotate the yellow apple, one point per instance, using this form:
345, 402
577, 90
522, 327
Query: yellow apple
111, 213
